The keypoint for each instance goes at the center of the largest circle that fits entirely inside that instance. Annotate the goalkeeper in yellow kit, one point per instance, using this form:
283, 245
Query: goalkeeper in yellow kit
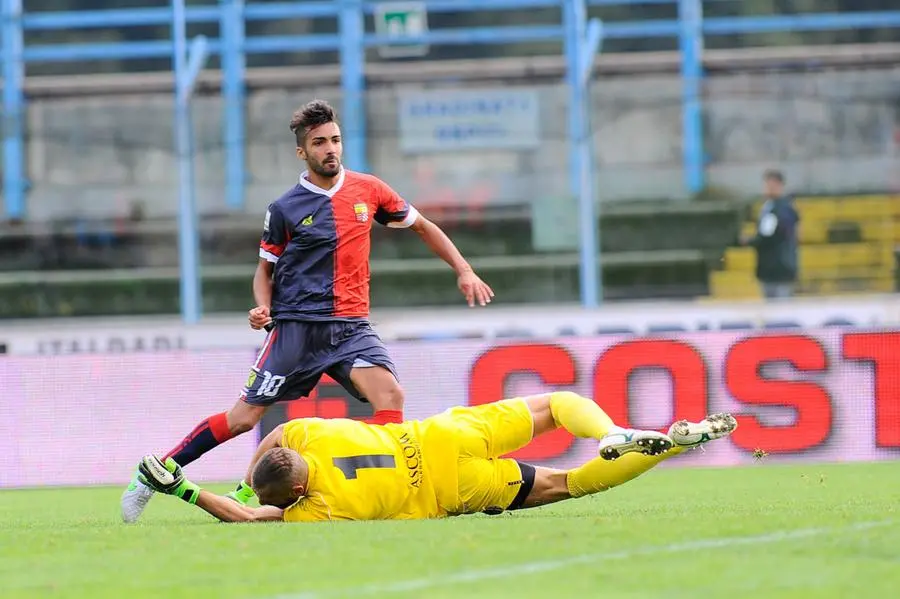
312, 469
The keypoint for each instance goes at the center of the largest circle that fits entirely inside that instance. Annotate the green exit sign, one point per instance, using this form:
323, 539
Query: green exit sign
399, 20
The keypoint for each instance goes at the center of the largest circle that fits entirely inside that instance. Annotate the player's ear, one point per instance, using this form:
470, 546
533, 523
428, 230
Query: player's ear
299, 490
301, 153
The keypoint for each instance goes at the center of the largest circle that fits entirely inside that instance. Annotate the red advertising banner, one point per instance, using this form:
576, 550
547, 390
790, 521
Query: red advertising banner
830, 395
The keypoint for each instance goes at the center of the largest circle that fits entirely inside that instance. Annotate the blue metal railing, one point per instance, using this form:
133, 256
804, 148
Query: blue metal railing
233, 46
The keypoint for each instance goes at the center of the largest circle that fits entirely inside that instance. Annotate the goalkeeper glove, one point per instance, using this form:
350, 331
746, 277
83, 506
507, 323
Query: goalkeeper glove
242, 494
167, 478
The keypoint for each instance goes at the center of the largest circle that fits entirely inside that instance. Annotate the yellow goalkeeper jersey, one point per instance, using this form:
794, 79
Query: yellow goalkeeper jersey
360, 471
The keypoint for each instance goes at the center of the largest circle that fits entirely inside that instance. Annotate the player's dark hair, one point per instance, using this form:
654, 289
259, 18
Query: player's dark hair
774, 175
272, 475
314, 114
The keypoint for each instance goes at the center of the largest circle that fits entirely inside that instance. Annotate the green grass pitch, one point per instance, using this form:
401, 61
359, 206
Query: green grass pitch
762, 532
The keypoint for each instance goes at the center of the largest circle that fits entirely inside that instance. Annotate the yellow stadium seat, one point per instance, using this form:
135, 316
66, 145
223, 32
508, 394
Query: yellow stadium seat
813, 231
882, 229
740, 259
894, 203
862, 209
848, 272
733, 285
834, 256
817, 210
847, 286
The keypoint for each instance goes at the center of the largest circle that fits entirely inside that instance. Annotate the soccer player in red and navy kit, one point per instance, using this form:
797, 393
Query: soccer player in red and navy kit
311, 289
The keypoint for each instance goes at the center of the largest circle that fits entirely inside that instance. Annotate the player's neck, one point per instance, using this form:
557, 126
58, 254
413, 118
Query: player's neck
321, 182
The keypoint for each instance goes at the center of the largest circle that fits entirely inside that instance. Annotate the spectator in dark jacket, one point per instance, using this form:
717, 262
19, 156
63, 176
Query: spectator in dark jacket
776, 239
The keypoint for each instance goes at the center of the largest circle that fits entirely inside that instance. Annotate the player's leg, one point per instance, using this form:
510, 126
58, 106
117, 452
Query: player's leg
264, 386
494, 485
600, 474
491, 486
363, 366
495, 429
379, 386
215, 430
584, 418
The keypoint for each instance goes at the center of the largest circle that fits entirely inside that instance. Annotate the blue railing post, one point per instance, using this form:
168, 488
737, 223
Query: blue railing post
690, 40
353, 82
13, 117
233, 92
581, 171
188, 233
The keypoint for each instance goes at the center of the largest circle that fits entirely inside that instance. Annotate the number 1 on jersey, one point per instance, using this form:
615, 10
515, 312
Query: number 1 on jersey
351, 465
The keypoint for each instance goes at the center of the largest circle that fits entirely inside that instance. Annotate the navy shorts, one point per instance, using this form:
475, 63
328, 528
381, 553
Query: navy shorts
296, 354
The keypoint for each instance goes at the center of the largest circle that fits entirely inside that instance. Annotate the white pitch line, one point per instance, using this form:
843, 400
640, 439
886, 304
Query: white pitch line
477, 575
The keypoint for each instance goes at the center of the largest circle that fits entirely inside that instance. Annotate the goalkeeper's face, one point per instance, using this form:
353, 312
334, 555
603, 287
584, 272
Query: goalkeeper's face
280, 477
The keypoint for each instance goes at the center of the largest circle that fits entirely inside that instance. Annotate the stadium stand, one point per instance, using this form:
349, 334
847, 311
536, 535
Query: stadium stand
848, 245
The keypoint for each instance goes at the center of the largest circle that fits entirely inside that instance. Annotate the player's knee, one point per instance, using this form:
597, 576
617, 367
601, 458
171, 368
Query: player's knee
389, 398
541, 413
240, 427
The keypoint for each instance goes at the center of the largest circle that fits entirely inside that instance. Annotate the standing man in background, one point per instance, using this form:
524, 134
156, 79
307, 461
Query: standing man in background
776, 240
312, 290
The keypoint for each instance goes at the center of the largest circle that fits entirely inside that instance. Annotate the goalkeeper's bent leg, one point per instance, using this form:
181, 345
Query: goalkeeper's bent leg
600, 474
580, 416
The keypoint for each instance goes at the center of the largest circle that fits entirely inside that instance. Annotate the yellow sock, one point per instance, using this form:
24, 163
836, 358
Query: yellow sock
579, 415
600, 475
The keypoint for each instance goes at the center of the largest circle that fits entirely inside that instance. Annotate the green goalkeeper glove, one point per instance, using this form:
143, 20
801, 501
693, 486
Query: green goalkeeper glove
243, 493
167, 478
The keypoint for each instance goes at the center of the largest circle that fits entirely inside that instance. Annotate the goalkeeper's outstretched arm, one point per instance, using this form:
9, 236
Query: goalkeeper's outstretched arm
167, 477
228, 510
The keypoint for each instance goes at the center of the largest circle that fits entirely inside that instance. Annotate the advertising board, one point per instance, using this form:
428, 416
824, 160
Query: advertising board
814, 396
128, 335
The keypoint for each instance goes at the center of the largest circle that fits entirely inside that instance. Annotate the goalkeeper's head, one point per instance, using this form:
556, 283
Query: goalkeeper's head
280, 477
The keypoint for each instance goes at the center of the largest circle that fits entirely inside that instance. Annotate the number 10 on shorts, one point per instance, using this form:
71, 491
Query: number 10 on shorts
271, 384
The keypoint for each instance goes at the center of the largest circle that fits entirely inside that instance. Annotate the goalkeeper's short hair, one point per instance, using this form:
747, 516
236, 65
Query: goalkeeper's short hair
273, 475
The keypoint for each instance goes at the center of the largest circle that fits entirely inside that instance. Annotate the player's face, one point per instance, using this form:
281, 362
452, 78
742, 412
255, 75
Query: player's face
284, 499
322, 150
773, 188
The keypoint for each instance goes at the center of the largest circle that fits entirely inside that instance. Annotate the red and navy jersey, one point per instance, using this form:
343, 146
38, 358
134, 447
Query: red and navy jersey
319, 241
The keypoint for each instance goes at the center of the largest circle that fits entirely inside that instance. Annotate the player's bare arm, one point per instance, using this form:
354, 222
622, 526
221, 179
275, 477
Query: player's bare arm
470, 284
262, 294
228, 510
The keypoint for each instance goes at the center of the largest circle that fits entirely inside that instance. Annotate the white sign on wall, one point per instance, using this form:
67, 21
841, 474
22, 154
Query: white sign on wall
448, 120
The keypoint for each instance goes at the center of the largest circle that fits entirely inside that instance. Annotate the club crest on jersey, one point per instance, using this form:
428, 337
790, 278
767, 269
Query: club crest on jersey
362, 212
